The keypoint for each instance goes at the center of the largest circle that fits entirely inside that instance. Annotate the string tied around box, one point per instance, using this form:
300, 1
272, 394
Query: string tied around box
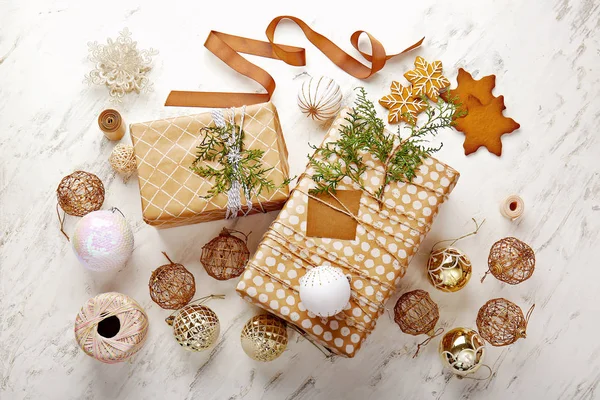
234, 201
223, 159
290, 245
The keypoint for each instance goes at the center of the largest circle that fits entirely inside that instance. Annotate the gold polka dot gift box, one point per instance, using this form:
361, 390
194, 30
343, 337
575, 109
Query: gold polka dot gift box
173, 195
372, 244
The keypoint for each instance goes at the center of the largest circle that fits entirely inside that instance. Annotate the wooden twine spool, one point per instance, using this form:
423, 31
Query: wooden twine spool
512, 207
111, 124
225, 256
111, 327
171, 285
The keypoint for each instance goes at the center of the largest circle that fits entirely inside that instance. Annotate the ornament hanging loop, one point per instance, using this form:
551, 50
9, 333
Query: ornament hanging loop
170, 261
485, 275
227, 231
477, 227
169, 320
113, 209
432, 335
62, 222
490, 373
523, 334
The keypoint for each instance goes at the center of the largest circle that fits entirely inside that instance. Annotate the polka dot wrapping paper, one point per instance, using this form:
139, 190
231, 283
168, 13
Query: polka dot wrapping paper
378, 256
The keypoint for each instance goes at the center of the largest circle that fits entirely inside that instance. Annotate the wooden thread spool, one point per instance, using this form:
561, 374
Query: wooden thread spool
111, 124
512, 207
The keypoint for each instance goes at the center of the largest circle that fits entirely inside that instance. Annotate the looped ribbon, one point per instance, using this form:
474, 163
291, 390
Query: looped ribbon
228, 48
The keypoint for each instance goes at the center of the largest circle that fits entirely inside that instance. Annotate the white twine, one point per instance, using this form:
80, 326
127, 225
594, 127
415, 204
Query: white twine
234, 201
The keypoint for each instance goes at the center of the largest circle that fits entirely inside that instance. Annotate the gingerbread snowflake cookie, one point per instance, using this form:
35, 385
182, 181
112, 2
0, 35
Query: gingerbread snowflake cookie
427, 79
403, 104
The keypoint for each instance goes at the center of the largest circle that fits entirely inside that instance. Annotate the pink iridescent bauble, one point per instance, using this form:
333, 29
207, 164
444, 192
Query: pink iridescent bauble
103, 240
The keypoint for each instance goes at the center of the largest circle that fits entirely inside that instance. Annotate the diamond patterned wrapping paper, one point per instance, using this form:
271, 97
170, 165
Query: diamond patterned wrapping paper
376, 258
170, 191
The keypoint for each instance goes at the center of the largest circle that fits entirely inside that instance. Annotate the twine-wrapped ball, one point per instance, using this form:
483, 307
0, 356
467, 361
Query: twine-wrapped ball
264, 337
122, 159
501, 322
195, 327
449, 269
511, 261
171, 285
320, 98
80, 193
111, 327
103, 240
415, 313
225, 256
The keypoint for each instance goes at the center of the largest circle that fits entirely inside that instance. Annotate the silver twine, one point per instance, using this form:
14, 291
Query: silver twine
234, 201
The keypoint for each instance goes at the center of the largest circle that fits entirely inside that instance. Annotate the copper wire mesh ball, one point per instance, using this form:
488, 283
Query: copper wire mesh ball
415, 313
80, 193
195, 327
511, 260
225, 256
264, 337
171, 285
501, 322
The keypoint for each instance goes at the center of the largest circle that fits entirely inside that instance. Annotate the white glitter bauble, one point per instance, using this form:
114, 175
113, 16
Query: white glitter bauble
103, 240
324, 290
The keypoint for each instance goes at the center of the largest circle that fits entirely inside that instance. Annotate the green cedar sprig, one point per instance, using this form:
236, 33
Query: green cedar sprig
250, 172
364, 132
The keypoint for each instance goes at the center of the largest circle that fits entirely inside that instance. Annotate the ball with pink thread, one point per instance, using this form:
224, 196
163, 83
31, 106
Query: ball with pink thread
111, 327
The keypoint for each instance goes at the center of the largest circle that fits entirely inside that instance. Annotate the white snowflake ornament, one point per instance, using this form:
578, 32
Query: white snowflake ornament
120, 65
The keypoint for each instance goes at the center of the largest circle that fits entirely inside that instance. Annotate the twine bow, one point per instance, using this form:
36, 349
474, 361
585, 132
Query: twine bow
234, 201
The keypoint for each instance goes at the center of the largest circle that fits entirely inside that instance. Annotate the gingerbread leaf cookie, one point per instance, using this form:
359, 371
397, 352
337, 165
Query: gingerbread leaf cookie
403, 104
427, 79
484, 125
467, 86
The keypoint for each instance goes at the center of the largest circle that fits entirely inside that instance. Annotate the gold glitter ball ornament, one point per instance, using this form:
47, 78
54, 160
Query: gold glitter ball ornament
449, 269
264, 337
462, 351
501, 322
195, 327
511, 261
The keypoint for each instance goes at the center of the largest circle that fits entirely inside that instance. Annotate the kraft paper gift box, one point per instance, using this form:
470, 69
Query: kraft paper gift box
171, 192
374, 248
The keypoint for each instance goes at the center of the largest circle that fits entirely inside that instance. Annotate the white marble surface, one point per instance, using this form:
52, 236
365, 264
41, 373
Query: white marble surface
545, 56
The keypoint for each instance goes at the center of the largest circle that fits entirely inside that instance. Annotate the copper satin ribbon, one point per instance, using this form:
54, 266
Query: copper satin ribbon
228, 48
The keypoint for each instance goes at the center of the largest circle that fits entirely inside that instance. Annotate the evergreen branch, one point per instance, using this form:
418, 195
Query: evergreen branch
364, 132
250, 172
